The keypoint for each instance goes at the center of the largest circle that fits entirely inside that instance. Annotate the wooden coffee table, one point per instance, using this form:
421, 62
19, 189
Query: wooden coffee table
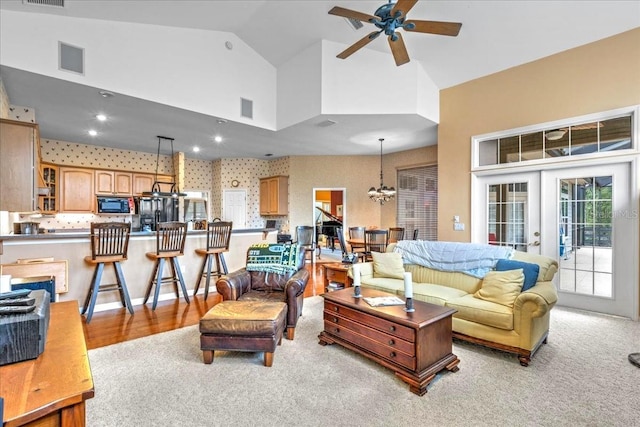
416, 346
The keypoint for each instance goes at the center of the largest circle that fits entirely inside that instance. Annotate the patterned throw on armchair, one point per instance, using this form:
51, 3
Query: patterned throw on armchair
274, 272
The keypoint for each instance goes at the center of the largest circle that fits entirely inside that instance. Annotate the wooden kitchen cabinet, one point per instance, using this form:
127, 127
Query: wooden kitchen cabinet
48, 203
76, 190
17, 165
113, 183
144, 182
274, 195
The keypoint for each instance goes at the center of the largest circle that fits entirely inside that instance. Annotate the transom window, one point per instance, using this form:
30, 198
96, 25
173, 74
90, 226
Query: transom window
578, 139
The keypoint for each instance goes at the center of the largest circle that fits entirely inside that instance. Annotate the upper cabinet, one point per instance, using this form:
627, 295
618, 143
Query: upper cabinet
76, 190
274, 195
113, 183
47, 200
17, 165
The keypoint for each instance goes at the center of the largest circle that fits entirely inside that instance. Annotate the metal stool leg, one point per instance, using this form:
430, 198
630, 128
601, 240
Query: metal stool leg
199, 279
181, 279
151, 279
156, 294
208, 281
94, 293
122, 287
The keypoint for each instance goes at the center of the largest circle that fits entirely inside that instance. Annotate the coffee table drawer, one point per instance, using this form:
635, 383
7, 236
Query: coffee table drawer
374, 334
400, 331
389, 353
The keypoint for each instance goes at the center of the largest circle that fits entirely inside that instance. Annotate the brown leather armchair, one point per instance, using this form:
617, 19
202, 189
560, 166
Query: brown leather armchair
264, 286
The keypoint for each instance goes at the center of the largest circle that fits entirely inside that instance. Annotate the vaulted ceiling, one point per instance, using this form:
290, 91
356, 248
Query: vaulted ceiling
495, 35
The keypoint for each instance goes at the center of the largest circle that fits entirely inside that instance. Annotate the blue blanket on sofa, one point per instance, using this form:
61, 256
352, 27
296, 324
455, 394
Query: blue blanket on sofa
470, 258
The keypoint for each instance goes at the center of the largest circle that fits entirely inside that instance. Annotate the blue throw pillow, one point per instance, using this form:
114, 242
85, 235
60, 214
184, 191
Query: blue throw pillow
530, 271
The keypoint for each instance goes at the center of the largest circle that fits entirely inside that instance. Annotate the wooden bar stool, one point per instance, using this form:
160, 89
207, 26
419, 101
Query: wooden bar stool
218, 237
170, 240
109, 245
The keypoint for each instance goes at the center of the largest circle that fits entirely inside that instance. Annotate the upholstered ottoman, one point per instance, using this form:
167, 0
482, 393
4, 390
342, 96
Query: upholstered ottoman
243, 326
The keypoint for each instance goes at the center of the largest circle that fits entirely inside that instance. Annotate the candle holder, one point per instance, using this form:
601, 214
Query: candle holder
356, 292
408, 306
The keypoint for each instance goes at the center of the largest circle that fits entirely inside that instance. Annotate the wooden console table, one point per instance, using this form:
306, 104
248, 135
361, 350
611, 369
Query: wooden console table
52, 389
416, 346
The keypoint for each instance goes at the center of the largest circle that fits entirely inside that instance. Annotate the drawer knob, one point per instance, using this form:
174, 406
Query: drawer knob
335, 308
392, 328
391, 342
335, 320
392, 354
337, 330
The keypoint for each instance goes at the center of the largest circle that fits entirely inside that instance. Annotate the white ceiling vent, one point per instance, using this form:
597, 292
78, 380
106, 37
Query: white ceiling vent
53, 3
70, 58
246, 108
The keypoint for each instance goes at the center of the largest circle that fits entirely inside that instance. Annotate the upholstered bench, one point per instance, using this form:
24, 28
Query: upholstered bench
243, 326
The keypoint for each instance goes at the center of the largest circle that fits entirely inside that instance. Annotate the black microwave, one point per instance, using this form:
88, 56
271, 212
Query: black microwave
115, 205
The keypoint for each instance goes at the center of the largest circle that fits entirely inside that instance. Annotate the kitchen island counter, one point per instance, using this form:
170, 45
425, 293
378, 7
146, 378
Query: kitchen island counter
73, 246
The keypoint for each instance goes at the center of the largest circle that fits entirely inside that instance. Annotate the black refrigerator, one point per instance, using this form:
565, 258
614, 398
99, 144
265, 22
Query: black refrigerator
153, 210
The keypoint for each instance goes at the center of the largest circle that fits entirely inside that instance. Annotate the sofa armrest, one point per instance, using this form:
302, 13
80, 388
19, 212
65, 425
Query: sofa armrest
234, 284
543, 295
296, 284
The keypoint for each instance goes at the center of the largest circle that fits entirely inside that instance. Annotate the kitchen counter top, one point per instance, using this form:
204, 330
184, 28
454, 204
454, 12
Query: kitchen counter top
76, 233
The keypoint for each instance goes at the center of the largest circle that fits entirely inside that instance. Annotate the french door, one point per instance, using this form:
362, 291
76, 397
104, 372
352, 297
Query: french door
582, 216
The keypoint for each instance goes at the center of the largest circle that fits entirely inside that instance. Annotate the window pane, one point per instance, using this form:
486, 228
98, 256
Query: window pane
418, 202
557, 147
532, 146
584, 138
488, 152
615, 134
510, 149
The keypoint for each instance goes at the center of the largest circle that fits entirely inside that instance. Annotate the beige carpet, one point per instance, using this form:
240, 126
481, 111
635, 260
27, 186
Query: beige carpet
580, 378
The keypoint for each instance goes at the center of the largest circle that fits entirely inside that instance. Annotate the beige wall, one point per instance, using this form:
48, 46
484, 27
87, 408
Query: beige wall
354, 173
592, 78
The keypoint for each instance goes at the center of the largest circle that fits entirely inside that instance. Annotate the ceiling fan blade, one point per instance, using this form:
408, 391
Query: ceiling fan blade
433, 27
404, 6
358, 45
399, 50
348, 13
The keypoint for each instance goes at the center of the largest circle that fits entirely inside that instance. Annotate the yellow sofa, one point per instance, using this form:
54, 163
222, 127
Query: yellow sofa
520, 329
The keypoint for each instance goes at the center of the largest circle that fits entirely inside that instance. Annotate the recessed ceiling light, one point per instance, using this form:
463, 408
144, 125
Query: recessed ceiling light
221, 121
268, 155
218, 138
106, 94
228, 45
101, 117
196, 149
93, 132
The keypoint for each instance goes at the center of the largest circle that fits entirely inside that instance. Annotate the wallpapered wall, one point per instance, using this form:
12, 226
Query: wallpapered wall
199, 175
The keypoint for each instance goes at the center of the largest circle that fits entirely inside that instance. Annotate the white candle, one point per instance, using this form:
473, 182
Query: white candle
356, 274
408, 285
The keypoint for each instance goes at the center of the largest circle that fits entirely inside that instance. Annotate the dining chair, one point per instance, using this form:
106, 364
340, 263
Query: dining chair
396, 234
109, 245
375, 241
305, 238
356, 241
218, 238
170, 240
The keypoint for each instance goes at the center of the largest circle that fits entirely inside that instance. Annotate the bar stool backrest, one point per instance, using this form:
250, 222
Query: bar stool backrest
219, 235
109, 239
356, 232
171, 237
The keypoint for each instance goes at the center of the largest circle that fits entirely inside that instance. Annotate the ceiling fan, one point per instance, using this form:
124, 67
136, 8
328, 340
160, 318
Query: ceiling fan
388, 18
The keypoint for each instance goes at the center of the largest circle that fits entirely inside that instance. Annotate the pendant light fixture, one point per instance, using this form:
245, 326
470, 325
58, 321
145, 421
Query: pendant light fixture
155, 188
381, 194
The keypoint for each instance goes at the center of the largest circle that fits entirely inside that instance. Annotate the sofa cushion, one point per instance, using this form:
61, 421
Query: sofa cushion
483, 312
530, 270
393, 286
387, 264
502, 287
435, 294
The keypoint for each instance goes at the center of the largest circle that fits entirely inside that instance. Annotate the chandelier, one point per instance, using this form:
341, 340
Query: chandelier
381, 194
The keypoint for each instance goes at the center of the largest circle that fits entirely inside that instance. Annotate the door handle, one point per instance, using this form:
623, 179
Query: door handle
536, 243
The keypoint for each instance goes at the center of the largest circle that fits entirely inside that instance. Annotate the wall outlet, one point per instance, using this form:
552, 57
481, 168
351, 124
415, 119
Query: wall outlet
458, 226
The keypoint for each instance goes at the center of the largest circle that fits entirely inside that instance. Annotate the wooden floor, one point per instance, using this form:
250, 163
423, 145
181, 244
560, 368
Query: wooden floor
113, 326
